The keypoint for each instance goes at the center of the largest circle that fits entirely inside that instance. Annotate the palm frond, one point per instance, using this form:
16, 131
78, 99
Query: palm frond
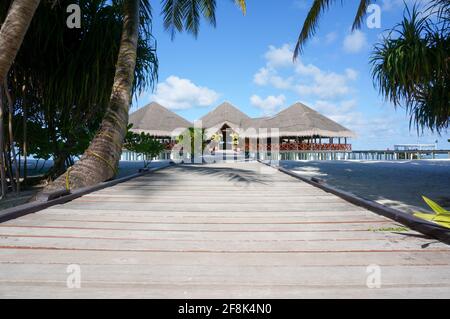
68, 76
173, 13
311, 23
410, 68
192, 16
242, 5
360, 13
180, 15
208, 8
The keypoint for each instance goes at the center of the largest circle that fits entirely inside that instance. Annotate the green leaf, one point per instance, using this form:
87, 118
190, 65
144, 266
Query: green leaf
429, 217
443, 221
435, 207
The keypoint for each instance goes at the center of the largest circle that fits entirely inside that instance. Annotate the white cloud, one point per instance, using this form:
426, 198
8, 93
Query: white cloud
307, 70
176, 93
351, 74
262, 77
281, 83
330, 93
355, 42
344, 112
331, 37
279, 57
269, 76
323, 84
270, 104
305, 79
334, 109
374, 129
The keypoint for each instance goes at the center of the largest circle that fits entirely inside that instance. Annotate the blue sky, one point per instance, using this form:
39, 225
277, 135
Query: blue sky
247, 61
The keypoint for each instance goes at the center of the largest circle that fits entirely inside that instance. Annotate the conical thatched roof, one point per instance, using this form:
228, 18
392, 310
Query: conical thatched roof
300, 120
297, 120
224, 113
154, 119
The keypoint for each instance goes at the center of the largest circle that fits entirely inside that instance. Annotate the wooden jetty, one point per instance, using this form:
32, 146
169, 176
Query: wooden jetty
366, 155
229, 230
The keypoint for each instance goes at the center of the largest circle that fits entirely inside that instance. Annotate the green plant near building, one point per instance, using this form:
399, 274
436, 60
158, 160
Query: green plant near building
143, 144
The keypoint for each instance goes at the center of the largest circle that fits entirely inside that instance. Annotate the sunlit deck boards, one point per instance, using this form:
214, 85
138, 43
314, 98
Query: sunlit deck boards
223, 230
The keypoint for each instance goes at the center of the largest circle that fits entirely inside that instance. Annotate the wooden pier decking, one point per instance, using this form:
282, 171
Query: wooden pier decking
241, 230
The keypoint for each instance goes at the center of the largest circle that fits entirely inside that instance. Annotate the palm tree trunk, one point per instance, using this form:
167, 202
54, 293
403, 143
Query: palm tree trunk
2, 147
13, 31
100, 161
11, 138
25, 141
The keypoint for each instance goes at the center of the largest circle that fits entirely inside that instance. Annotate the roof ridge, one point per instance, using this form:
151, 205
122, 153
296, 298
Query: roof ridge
148, 106
298, 117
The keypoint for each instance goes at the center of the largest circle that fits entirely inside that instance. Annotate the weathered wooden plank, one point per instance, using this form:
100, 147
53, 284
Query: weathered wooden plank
389, 244
204, 236
211, 214
223, 230
36, 256
193, 291
356, 276
208, 220
205, 207
238, 227
216, 195
190, 191
215, 200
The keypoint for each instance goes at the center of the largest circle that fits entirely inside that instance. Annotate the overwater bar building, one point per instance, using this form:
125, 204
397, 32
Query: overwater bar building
297, 132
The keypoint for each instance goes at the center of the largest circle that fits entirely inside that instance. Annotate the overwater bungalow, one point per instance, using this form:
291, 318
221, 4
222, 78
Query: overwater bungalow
297, 132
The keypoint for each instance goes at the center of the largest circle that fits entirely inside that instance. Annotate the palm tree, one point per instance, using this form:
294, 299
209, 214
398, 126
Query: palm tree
65, 101
12, 32
410, 69
318, 7
312, 20
100, 161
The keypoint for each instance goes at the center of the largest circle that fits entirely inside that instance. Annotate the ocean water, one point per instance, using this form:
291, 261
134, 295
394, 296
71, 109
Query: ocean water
398, 184
39, 167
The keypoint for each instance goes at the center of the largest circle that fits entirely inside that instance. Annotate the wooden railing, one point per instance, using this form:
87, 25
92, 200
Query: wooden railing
302, 147
291, 147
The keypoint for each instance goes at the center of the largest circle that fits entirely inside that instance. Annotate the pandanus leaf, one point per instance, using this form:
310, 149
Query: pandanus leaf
435, 207
442, 216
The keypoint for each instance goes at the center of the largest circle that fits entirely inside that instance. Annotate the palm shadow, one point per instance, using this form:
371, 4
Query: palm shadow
231, 174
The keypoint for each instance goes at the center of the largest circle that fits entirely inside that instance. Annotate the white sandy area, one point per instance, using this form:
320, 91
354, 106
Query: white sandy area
397, 184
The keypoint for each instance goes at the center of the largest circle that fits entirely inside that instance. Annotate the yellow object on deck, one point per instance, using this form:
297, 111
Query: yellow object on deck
442, 216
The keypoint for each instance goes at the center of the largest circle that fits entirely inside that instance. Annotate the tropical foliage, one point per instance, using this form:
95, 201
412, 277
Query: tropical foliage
411, 67
72, 89
311, 23
61, 84
411, 64
193, 142
100, 161
441, 216
143, 144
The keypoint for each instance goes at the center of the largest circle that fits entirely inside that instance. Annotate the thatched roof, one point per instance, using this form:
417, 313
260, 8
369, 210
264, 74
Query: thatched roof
224, 113
296, 120
156, 120
300, 120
